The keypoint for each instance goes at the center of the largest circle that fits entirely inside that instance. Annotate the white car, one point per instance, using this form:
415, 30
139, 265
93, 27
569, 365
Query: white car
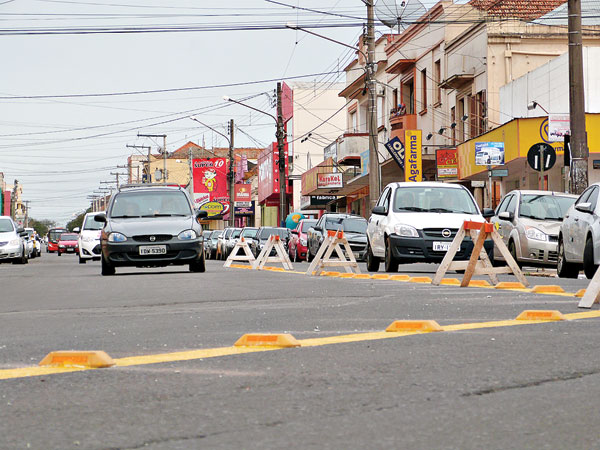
35, 243
89, 239
416, 222
12, 245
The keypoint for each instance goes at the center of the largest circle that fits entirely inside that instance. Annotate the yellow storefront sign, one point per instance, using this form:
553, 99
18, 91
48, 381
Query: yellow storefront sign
413, 167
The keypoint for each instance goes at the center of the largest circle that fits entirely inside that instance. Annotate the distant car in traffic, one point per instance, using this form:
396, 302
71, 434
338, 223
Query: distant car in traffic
231, 241
529, 222
68, 243
212, 242
297, 247
151, 226
53, 235
12, 245
89, 238
222, 242
36, 245
353, 226
262, 236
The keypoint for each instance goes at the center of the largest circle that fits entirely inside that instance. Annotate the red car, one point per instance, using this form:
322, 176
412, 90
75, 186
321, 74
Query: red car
297, 246
68, 243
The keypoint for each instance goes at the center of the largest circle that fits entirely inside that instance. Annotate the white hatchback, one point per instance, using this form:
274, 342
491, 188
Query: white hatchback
416, 222
89, 238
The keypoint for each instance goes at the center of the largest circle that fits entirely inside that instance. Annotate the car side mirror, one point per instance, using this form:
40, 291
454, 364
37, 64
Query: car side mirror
76, 230
317, 228
101, 217
505, 215
379, 210
20, 230
584, 207
201, 214
295, 232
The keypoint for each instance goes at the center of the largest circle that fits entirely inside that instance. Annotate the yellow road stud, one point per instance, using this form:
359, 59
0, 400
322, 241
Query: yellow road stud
267, 340
381, 276
580, 293
479, 283
362, 276
400, 277
73, 358
330, 274
548, 289
510, 285
450, 281
347, 275
420, 280
414, 325
533, 314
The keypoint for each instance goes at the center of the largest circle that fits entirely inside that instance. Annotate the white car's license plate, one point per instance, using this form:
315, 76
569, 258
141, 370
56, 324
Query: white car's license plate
153, 249
441, 246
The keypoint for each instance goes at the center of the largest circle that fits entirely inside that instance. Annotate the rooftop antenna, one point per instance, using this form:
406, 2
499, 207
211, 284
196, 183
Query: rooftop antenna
399, 14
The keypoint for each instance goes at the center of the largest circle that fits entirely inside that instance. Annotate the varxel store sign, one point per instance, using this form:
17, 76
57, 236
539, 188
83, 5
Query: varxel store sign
413, 167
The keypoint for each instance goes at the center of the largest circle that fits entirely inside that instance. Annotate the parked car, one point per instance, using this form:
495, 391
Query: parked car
68, 243
89, 239
212, 242
416, 222
30, 244
529, 222
231, 241
151, 226
12, 244
53, 235
262, 236
36, 245
206, 238
297, 247
222, 242
353, 226
579, 236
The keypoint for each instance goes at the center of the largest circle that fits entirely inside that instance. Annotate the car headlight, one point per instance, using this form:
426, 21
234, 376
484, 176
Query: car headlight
303, 242
14, 242
116, 237
187, 235
536, 234
402, 229
61, 245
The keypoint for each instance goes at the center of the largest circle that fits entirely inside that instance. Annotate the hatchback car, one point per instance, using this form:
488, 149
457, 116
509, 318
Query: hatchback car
416, 222
528, 222
231, 241
579, 236
211, 244
151, 226
89, 239
67, 243
353, 226
262, 236
298, 245
12, 244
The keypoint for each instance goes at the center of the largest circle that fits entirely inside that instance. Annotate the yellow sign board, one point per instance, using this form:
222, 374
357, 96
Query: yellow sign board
413, 167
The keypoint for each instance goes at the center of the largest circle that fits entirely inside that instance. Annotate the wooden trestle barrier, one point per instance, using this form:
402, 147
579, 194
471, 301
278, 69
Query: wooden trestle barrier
233, 256
479, 263
332, 243
282, 257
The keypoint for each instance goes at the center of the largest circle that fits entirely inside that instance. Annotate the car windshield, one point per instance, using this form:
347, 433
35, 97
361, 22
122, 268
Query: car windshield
266, 232
249, 232
434, 199
68, 237
306, 224
215, 234
6, 225
236, 233
347, 224
150, 204
92, 224
545, 207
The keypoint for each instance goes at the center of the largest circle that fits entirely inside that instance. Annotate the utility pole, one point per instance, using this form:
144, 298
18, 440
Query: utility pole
280, 136
117, 174
231, 176
26, 213
148, 162
164, 136
579, 147
374, 182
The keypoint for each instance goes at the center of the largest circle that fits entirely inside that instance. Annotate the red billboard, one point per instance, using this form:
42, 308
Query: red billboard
210, 185
243, 192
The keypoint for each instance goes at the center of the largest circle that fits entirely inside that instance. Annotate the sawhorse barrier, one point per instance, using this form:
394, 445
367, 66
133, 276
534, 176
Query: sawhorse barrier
282, 257
234, 257
479, 263
333, 242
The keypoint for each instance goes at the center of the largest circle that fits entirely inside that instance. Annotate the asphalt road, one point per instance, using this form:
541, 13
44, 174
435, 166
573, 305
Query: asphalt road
526, 386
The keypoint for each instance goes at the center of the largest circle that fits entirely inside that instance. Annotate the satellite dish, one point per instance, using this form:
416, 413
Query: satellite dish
399, 13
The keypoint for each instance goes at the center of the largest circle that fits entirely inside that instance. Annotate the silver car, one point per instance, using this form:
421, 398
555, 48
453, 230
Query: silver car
579, 237
529, 222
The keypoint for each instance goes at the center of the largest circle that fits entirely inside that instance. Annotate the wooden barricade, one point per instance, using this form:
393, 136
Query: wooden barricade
282, 257
592, 292
331, 243
479, 263
233, 256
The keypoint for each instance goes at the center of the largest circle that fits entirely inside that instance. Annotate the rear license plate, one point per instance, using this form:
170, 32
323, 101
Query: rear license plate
153, 250
441, 246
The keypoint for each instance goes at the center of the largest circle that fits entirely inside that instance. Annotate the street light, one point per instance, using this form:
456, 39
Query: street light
374, 178
279, 134
230, 175
533, 104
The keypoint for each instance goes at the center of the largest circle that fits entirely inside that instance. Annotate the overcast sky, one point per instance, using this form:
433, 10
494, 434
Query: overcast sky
61, 147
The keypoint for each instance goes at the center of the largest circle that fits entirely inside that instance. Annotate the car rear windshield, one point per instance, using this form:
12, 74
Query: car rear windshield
434, 199
6, 225
266, 232
91, 224
150, 204
249, 232
545, 207
347, 224
69, 237
215, 234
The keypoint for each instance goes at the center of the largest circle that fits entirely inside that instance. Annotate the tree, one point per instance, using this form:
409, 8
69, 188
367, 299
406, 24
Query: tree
77, 222
41, 226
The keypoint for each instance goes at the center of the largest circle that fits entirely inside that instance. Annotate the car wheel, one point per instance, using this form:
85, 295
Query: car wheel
107, 268
82, 260
589, 268
565, 269
513, 251
391, 264
199, 265
59, 253
372, 260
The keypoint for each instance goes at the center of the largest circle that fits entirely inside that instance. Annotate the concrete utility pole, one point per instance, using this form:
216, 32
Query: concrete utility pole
579, 147
164, 136
231, 176
374, 182
280, 137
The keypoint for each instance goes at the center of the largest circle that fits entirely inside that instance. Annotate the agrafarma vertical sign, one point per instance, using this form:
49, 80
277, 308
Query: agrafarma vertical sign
413, 167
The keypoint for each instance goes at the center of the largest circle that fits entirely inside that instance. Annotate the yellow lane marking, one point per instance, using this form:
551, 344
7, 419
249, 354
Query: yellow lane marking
314, 342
